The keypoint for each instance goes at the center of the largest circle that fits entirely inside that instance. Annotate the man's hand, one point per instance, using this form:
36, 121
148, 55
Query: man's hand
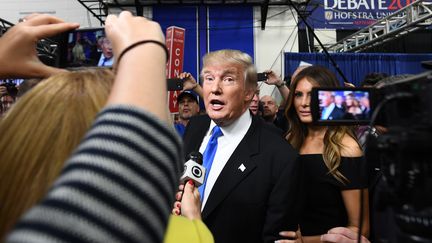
18, 55
189, 82
342, 235
273, 78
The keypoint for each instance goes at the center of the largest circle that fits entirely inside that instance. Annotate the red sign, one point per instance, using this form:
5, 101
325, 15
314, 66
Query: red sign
175, 37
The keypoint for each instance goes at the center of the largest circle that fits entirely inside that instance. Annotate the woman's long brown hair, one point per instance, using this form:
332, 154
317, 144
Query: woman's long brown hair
297, 132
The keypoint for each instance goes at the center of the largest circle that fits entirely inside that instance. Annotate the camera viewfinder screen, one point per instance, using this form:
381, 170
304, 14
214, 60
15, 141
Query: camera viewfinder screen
89, 47
342, 105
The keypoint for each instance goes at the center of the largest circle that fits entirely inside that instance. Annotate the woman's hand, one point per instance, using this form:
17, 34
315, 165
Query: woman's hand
188, 201
127, 29
290, 237
141, 72
18, 55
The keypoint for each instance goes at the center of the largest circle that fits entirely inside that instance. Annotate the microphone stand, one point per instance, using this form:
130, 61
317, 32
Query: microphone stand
319, 42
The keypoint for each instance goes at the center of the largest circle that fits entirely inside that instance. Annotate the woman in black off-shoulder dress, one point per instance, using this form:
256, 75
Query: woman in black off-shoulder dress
334, 167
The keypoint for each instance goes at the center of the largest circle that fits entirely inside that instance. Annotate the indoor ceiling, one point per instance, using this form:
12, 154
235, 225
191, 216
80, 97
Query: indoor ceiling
100, 8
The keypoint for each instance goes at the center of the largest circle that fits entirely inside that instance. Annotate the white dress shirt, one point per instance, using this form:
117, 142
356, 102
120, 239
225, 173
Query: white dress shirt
108, 63
232, 136
327, 111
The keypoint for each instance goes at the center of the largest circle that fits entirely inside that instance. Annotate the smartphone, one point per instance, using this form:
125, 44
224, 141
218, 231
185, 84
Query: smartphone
87, 47
174, 84
342, 106
261, 77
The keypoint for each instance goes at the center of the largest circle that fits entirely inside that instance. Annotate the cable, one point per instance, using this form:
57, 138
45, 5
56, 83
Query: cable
292, 46
386, 99
361, 216
272, 16
322, 46
283, 47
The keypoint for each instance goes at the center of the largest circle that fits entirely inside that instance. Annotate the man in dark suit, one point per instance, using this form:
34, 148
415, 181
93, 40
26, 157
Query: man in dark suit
252, 191
330, 111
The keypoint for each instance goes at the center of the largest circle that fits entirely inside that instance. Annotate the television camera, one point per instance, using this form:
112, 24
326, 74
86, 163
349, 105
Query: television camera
402, 154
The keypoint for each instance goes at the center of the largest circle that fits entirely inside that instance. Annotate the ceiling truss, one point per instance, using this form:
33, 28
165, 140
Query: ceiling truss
101, 8
406, 20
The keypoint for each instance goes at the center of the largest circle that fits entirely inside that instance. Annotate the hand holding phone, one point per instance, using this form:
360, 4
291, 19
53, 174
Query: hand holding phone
261, 77
174, 84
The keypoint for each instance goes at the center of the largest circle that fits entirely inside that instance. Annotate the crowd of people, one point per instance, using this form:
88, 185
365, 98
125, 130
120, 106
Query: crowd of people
93, 155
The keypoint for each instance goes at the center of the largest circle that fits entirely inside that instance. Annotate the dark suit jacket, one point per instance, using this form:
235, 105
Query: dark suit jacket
337, 113
258, 203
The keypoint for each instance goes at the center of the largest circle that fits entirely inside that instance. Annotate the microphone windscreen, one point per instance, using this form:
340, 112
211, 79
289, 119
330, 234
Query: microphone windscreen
196, 156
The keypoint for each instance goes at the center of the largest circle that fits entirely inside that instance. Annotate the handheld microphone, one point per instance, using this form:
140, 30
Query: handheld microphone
193, 169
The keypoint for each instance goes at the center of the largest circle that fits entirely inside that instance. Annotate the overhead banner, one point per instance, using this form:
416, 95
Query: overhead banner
352, 14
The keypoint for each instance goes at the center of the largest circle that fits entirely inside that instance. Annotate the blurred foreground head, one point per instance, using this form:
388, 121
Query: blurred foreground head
40, 132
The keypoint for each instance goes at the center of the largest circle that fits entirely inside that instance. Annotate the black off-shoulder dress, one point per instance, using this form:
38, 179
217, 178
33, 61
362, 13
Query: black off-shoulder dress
323, 206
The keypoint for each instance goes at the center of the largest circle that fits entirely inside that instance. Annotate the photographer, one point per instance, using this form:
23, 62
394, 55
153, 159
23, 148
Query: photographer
73, 215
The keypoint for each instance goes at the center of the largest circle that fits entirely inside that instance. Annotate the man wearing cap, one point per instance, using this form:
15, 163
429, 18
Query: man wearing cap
188, 107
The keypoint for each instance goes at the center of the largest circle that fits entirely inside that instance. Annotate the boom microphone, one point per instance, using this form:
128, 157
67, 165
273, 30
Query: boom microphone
193, 169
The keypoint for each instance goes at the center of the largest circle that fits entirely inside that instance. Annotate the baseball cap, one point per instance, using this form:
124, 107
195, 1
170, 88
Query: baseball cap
187, 93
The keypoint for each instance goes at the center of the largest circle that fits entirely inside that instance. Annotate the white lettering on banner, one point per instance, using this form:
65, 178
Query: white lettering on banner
342, 4
354, 4
177, 51
382, 4
176, 73
380, 15
352, 15
177, 62
327, 6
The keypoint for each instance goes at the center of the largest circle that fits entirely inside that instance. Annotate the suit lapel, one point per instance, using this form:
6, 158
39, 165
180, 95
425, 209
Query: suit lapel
238, 167
193, 139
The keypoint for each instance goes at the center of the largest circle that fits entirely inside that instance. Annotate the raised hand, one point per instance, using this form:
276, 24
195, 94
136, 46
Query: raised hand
18, 55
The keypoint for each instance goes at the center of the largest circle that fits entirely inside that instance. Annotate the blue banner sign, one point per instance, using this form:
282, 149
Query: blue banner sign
352, 14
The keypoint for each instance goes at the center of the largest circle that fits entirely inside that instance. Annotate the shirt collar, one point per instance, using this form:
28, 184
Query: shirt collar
237, 127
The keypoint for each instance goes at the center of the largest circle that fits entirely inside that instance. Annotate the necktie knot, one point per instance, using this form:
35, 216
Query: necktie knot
216, 132
105, 61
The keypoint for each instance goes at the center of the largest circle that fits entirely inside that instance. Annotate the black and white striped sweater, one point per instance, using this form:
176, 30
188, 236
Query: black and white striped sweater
118, 186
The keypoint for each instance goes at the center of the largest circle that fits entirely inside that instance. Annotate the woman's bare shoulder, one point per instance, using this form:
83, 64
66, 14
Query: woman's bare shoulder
350, 147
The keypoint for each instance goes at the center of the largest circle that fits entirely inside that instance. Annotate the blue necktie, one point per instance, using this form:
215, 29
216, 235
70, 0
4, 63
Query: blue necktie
104, 60
208, 156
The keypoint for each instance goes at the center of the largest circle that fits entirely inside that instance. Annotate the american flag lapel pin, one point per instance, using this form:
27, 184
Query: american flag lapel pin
242, 167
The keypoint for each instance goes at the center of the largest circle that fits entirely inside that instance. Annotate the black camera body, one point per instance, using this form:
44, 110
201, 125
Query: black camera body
402, 153
400, 103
